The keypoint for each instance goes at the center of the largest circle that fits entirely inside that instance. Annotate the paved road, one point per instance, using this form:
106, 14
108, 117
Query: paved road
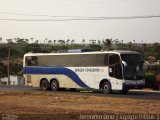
132, 94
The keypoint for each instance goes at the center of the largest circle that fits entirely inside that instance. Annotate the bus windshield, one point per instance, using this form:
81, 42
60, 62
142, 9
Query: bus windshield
133, 70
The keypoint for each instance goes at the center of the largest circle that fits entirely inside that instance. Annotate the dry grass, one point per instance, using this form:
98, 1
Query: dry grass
62, 104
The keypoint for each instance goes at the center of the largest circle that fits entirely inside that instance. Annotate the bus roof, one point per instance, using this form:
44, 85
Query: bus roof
95, 52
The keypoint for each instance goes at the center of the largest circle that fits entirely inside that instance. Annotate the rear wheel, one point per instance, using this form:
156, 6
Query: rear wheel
106, 88
44, 85
54, 85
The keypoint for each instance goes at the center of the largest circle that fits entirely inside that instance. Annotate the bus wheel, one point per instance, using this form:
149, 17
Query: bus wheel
54, 85
106, 87
44, 85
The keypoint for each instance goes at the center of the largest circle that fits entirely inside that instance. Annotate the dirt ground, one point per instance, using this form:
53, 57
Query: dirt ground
57, 106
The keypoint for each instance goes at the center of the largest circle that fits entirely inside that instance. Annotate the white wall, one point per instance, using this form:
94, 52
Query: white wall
14, 80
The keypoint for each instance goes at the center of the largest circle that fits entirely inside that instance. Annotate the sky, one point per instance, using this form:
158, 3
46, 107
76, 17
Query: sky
41, 20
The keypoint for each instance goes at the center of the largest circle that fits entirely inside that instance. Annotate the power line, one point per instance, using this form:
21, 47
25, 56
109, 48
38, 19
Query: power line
87, 18
100, 2
35, 15
71, 17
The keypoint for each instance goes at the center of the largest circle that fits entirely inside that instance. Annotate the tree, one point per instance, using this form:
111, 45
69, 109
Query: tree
83, 41
3, 70
68, 40
156, 47
134, 41
108, 44
15, 39
49, 41
130, 46
121, 45
37, 41
54, 41
46, 40
99, 42
9, 41
32, 40
27, 41
92, 41
72, 41
0, 39
116, 43
61, 41
20, 41
122, 41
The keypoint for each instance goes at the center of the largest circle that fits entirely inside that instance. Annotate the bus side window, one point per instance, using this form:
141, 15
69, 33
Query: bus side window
28, 61
106, 60
31, 61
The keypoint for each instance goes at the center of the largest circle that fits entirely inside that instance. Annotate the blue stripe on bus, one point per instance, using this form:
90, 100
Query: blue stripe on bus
56, 70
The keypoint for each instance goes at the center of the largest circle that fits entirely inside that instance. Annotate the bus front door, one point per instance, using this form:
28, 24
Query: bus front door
115, 71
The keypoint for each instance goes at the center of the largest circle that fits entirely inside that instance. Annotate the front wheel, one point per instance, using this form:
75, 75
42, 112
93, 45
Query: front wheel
54, 85
44, 85
106, 88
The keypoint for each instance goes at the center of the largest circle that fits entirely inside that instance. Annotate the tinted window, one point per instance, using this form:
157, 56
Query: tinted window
71, 60
134, 68
31, 61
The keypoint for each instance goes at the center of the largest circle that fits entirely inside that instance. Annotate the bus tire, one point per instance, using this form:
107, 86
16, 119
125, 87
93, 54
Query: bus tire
54, 85
106, 87
44, 85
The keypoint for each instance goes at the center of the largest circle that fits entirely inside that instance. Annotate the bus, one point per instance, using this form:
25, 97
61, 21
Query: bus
106, 71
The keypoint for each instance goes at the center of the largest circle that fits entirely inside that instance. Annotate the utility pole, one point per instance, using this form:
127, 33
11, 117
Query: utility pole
8, 66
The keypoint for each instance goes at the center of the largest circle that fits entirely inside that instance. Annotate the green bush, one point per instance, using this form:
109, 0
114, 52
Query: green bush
20, 73
150, 79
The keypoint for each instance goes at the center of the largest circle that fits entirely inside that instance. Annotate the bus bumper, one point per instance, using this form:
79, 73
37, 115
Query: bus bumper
133, 86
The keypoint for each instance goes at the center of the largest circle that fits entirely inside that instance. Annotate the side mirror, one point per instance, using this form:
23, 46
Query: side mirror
110, 70
147, 65
124, 64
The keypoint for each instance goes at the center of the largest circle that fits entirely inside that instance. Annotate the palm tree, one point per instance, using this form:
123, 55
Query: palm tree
83, 41
46, 40
54, 41
61, 41
15, 39
108, 44
122, 41
36, 42
68, 40
130, 46
26, 40
92, 41
31, 40
49, 41
20, 41
72, 41
99, 42
134, 41
0, 39
9, 41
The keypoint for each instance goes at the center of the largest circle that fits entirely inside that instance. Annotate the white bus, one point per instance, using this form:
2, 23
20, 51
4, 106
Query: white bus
106, 71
